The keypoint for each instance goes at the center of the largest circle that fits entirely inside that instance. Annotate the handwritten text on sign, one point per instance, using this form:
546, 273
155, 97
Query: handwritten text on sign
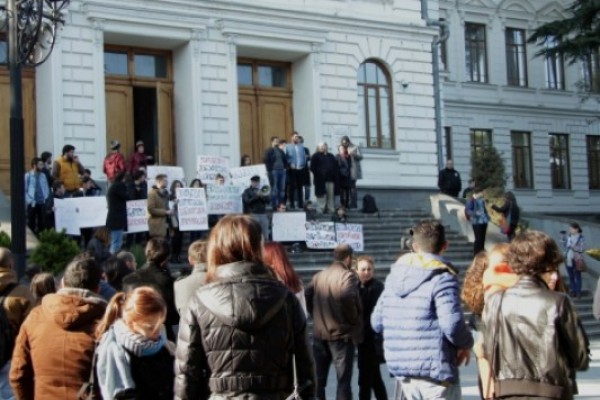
173, 173
207, 168
137, 216
327, 235
191, 209
224, 199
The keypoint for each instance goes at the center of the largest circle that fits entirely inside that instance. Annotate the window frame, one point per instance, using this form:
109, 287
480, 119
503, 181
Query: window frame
519, 51
363, 92
131, 53
521, 155
476, 75
558, 181
590, 68
593, 161
256, 64
554, 67
487, 134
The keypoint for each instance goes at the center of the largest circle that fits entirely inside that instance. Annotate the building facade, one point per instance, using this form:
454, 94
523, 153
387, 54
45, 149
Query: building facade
219, 77
497, 92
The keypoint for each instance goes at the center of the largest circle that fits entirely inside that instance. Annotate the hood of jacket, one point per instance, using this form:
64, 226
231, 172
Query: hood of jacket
7, 276
245, 296
413, 269
73, 308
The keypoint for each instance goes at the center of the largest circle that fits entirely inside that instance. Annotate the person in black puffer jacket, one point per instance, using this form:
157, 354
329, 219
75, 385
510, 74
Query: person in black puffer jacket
241, 330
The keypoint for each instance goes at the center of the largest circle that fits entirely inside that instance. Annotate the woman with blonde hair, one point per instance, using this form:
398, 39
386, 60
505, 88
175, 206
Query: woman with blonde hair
244, 333
133, 357
276, 258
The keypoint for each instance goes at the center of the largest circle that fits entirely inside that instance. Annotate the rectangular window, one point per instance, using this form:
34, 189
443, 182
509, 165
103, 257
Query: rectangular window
591, 71
480, 138
555, 68
244, 74
475, 53
516, 57
272, 76
150, 65
115, 63
559, 161
521, 156
593, 157
448, 140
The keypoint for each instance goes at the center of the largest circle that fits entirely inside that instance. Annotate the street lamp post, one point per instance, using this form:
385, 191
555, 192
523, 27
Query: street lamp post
31, 27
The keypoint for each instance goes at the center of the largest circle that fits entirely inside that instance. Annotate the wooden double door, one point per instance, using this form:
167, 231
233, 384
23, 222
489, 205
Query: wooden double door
141, 112
265, 108
29, 125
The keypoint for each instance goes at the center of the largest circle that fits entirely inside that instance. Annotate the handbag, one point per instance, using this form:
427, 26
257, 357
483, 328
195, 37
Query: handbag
580, 264
89, 390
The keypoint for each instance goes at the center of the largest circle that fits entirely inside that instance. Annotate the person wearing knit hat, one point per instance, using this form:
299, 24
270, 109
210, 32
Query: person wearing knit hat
114, 162
139, 160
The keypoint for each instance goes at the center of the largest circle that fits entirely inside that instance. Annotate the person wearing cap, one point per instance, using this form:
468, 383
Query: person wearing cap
114, 162
139, 160
67, 170
255, 202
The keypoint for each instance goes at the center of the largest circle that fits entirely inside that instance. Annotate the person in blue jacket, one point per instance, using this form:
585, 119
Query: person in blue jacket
425, 337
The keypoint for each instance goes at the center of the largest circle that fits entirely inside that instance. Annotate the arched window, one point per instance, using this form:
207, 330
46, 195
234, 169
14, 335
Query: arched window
375, 105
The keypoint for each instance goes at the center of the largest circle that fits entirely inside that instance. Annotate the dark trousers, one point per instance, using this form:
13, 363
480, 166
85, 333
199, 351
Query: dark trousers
35, 218
345, 195
296, 186
574, 279
479, 230
341, 353
176, 243
353, 194
369, 373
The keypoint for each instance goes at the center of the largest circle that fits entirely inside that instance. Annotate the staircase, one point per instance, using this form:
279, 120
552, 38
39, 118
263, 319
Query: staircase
382, 241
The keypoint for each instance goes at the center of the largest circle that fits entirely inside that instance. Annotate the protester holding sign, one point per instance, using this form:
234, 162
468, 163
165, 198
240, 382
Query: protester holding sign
177, 235
158, 207
116, 219
255, 201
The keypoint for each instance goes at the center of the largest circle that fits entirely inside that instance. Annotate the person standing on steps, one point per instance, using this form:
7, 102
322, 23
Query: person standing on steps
114, 162
478, 215
116, 219
296, 158
255, 204
276, 164
68, 170
356, 169
449, 180
574, 246
37, 193
158, 207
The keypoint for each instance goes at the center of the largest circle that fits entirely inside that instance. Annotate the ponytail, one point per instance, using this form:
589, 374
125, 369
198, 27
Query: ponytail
112, 313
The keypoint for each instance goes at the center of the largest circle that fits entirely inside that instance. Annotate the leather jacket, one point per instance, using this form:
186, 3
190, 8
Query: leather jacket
534, 341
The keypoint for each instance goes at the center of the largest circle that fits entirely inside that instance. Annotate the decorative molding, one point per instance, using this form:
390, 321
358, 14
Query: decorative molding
98, 25
232, 41
195, 38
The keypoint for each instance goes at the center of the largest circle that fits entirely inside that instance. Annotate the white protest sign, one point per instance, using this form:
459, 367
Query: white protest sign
173, 173
320, 235
207, 168
91, 211
224, 199
191, 209
137, 216
351, 234
65, 217
289, 227
241, 175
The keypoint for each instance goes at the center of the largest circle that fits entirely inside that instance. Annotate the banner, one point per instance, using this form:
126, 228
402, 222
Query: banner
224, 199
240, 176
351, 234
289, 227
80, 212
192, 209
327, 235
320, 235
173, 174
207, 168
137, 216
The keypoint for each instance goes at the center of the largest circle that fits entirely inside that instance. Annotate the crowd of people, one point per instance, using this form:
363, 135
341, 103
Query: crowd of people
236, 327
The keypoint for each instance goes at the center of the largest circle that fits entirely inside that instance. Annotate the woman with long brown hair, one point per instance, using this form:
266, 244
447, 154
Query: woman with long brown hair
276, 258
133, 356
244, 332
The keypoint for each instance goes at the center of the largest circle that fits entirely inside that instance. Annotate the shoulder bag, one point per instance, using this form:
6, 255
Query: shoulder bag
89, 390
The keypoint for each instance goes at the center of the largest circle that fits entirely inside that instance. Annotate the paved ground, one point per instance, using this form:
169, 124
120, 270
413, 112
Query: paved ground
589, 381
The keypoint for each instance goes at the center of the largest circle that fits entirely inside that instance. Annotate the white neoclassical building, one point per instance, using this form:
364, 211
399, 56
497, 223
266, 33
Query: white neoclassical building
222, 77
497, 92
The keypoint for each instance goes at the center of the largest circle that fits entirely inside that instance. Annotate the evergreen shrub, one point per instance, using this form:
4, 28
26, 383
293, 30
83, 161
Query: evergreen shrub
54, 251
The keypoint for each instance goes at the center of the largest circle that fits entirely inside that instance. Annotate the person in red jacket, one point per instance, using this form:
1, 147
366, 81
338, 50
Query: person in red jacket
114, 162
139, 160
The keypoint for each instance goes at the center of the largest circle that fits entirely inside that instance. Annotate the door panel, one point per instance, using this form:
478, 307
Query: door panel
29, 125
119, 116
166, 131
248, 126
275, 116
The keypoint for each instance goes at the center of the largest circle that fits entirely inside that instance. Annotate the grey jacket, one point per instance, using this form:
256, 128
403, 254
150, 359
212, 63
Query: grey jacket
186, 287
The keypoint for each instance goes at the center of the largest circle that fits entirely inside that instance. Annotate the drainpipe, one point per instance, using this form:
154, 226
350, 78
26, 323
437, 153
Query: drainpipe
435, 54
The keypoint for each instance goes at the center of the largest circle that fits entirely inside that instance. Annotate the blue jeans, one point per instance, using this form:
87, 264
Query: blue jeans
574, 279
422, 389
116, 241
277, 177
341, 352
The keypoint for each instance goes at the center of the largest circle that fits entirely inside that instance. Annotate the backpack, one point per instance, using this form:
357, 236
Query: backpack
369, 205
7, 335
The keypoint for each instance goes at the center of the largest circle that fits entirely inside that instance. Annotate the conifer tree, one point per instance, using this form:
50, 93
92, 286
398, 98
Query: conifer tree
488, 170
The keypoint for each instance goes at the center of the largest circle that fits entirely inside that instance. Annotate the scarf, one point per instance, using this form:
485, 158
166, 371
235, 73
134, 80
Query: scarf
138, 344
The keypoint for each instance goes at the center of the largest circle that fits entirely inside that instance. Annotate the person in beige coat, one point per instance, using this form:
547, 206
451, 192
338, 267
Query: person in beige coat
17, 305
158, 207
